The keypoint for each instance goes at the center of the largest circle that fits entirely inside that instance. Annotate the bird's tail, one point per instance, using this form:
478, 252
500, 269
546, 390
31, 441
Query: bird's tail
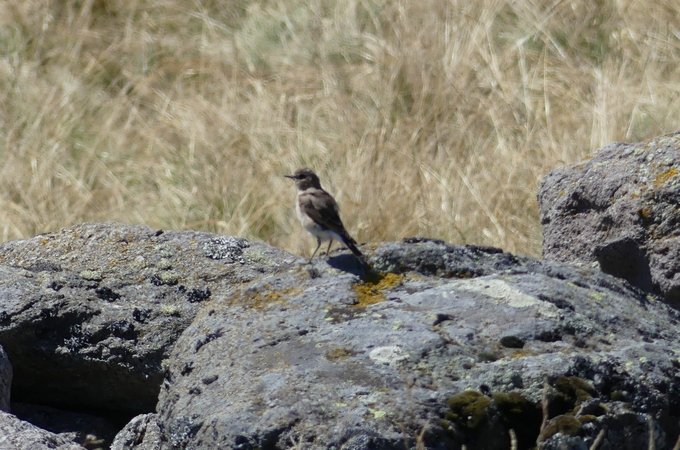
352, 245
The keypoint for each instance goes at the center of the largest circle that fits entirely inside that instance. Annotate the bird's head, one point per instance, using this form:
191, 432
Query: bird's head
305, 178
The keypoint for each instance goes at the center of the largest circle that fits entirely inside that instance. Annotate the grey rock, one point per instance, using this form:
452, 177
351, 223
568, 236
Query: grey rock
619, 211
331, 361
88, 314
5, 380
229, 343
16, 434
141, 433
87, 430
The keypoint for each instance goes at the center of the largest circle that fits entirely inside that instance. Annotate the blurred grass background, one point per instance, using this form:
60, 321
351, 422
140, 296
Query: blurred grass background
426, 117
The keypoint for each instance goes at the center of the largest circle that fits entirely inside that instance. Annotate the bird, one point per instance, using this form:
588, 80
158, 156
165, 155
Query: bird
319, 213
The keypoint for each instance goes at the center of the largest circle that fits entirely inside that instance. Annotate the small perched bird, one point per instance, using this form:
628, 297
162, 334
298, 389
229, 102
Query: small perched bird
319, 213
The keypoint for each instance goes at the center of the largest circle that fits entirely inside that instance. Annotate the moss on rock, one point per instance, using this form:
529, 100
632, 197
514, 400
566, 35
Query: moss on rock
569, 393
565, 424
468, 410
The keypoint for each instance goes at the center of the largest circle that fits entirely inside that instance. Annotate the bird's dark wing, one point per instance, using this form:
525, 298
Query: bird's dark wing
321, 207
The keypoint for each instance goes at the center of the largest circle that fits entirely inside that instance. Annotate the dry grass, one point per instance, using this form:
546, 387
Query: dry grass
427, 117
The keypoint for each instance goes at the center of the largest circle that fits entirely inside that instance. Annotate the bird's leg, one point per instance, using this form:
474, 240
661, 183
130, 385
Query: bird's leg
328, 250
318, 244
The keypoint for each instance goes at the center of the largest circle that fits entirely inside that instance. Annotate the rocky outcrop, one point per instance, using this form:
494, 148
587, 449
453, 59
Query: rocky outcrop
98, 308
334, 362
621, 212
441, 346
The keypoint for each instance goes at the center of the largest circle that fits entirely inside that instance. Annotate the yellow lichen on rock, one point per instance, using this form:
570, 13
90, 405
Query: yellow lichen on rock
339, 353
267, 299
373, 291
664, 176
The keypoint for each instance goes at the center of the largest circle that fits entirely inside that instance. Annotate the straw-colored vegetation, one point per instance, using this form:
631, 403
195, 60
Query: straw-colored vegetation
425, 117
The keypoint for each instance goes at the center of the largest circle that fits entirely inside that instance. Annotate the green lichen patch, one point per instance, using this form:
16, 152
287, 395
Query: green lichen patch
169, 278
596, 296
377, 413
91, 275
170, 310
164, 264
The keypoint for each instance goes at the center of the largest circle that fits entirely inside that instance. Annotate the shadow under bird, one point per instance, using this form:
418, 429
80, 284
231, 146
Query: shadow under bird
319, 213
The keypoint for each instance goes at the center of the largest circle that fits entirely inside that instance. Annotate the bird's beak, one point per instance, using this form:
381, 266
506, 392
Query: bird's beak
292, 177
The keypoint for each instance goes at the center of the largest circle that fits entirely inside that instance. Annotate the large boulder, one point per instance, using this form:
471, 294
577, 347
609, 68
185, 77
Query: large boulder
619, 211
443, 346
199, 341
88, 314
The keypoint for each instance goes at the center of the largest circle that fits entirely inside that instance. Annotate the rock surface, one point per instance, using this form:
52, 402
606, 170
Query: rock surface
16, 434
330, 361
246, 346
99, 306
141, 433
620, 211
87, 430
